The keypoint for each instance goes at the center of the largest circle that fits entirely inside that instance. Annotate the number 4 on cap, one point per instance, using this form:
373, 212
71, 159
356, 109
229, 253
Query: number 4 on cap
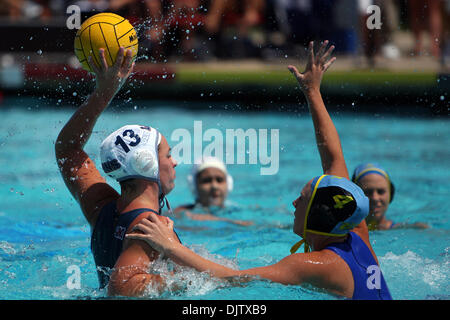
341, 200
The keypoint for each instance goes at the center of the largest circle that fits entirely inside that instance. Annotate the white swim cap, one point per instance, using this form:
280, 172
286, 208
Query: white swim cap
204, 163
132, 152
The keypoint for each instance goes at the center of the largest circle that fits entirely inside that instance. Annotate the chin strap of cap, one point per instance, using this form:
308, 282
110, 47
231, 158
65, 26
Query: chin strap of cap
163, 199
299, 244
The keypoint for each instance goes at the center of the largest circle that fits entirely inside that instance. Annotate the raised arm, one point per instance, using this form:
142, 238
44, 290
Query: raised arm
327, 138
81, 176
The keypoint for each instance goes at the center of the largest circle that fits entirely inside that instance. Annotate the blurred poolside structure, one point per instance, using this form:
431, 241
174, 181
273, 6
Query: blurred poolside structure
234, 36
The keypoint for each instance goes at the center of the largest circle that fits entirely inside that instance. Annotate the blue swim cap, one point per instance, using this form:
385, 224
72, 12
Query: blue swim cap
337, 205
372, 168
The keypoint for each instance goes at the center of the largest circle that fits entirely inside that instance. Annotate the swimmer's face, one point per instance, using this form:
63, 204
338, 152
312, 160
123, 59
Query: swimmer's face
212, 187
377, 189
301, 204
167, 166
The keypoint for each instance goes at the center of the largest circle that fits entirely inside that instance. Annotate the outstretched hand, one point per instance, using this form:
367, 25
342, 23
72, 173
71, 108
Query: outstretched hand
317, 64
111, 79
159, 235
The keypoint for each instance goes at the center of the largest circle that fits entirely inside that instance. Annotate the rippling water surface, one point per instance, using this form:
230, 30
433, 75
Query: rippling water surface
43, 231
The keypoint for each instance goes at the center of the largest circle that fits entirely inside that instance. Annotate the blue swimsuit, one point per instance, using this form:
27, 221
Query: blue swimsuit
368, 280
107, 238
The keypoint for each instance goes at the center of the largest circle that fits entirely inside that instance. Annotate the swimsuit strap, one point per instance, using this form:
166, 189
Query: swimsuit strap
131, 215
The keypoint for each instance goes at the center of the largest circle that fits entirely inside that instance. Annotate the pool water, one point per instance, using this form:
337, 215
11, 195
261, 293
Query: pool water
43, 232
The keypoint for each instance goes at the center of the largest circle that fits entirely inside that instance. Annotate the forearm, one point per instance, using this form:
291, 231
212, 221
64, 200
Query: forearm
327, 137
186, 257
284, 272
78, 129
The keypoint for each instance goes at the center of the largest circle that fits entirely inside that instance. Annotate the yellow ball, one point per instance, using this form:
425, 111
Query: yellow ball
108, 31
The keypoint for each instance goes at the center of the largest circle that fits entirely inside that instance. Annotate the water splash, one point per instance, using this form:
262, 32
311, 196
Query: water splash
186, 282
410, 275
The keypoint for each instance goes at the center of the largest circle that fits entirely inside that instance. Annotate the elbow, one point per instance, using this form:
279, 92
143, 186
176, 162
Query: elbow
65, 147
336, 168
60, 149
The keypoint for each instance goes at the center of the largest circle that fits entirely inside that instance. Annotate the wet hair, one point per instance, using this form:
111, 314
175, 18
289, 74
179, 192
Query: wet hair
324, 213
392, 192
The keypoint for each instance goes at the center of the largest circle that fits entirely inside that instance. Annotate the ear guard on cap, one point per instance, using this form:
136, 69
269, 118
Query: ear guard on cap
144, 162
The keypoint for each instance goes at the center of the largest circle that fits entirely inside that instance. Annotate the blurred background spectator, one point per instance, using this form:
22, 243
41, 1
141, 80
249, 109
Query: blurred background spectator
199, 30
25, 9
426, 16
90, 7
234, 26
183, 21
446, 35
376, 42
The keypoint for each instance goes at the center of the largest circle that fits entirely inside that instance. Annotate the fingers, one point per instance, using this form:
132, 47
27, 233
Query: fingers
127, 61
329, 63
135, 236
92, 64
311, 53
170, 223
324, 57
153, 220
295, 72
103, 63
152, 217
119, 58
321, 50
141, 227
292, 69
131, 69
123, 62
